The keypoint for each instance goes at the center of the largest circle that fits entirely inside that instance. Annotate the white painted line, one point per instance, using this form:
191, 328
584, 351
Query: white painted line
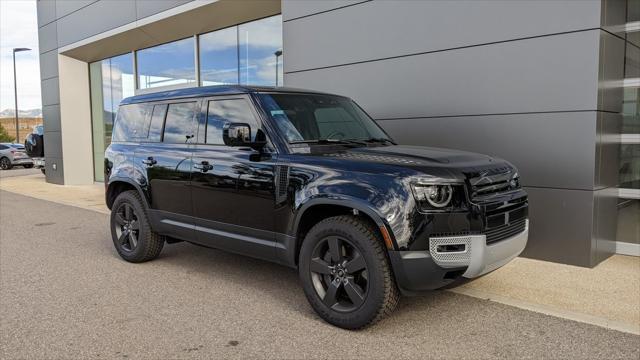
549, 310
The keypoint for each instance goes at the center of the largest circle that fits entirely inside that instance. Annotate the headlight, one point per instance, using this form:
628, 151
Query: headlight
439, 196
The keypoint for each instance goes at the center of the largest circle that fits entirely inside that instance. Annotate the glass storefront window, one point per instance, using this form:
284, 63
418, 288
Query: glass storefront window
260, 52
629, 174
167, 64
111, 81
219, 57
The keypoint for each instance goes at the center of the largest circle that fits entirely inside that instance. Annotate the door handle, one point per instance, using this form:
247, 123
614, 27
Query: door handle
204, 166
149, 161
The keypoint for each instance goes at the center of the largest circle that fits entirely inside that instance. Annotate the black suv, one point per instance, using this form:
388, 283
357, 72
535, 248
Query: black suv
310, 181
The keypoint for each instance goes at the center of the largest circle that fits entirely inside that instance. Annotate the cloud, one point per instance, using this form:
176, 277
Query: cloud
19, 28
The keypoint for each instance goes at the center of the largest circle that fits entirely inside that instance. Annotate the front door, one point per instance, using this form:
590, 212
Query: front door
166, 162
233, 187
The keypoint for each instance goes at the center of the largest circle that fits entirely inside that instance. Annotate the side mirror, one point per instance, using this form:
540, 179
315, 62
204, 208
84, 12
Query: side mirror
239, 134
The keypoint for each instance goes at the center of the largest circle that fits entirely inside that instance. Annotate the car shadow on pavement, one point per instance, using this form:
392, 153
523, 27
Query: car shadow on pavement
278, 283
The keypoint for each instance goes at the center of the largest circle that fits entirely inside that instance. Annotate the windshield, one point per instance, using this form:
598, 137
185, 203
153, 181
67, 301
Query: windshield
308, 118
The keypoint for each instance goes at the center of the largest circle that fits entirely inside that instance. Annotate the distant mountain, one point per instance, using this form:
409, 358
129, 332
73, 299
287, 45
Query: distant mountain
8, 113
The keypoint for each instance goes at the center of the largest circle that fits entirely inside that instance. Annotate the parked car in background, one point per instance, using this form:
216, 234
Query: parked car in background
308, 180
34, 145
14, 155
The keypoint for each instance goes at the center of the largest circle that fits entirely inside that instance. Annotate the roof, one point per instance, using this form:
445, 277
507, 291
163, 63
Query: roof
209, 91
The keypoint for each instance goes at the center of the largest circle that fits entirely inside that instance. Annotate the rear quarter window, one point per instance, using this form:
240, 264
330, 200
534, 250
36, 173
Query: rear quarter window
132, 122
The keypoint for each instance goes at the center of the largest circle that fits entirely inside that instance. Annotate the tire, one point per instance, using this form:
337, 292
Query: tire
362, 297
28, 166
43, 171
130, 229
5, 164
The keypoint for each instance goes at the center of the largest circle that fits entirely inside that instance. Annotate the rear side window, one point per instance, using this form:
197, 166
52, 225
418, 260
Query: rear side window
157, 122
132, 122
220, 112
3, 147
179, 123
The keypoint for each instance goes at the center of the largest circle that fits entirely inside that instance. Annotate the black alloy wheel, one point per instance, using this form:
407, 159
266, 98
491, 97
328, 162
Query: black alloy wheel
131, 232
5, 163
127, 227
345, 272
339, 274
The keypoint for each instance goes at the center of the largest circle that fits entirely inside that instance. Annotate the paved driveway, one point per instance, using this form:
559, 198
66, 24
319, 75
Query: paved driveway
19, 171
65, 294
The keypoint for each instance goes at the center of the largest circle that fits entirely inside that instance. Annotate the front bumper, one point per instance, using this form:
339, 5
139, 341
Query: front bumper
417, 271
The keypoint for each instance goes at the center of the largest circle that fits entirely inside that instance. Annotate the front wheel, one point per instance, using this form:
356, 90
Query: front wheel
130, 229
28, 166
346, 274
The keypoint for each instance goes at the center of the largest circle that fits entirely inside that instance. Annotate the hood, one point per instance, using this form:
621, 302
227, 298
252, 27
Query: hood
440, 162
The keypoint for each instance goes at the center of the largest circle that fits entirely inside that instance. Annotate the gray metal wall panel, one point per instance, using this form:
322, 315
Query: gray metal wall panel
46, 11
47, 38
50, 91
146, 8
53, 144
51, 118
94, 19
387, 28
555, 73
561, 226
550, 150
296, 8
48, 65
66, 7
607, 150
54, 176
612, 54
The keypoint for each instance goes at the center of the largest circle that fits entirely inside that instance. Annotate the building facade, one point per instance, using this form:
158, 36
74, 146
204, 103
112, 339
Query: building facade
552, 86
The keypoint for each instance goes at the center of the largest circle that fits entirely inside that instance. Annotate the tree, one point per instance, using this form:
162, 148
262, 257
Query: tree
4, 135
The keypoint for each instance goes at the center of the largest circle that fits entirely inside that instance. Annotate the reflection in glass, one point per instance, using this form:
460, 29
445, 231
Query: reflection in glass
221, 112
219, 57
111, 81
261, 55
178, 126
168, 64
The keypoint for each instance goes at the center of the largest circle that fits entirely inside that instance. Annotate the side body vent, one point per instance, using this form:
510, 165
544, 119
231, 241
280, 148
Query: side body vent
282, 182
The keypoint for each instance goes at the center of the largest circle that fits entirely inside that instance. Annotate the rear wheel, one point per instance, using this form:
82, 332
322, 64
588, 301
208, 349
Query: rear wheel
345, 273
130, 229
5, 164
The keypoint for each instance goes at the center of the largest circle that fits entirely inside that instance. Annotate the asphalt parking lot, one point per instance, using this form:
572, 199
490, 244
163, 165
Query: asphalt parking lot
18, 171
64, 293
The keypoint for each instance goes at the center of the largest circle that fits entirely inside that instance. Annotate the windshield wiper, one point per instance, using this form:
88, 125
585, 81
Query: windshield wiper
380, 140
330, 141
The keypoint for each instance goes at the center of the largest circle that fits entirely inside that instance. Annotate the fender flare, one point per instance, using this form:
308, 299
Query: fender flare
137, 186
345, 201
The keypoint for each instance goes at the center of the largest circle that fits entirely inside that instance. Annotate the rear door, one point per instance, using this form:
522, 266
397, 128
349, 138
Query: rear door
165, 163
233, 187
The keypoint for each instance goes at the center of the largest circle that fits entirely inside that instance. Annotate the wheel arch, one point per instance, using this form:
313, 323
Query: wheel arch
119, 185
317, 210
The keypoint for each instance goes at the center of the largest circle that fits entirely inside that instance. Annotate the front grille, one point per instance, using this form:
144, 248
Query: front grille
505, 231
492, 181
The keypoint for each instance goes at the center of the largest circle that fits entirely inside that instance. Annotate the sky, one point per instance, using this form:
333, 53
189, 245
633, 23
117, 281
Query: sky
19, 28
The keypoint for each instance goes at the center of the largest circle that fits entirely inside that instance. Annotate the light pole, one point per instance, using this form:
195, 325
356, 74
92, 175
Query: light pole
15, 90
277, 54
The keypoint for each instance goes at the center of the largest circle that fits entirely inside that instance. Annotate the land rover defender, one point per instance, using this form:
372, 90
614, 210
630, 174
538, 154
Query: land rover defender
310, 181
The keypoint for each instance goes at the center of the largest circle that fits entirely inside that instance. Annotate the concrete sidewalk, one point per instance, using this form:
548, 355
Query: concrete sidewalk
607, 295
